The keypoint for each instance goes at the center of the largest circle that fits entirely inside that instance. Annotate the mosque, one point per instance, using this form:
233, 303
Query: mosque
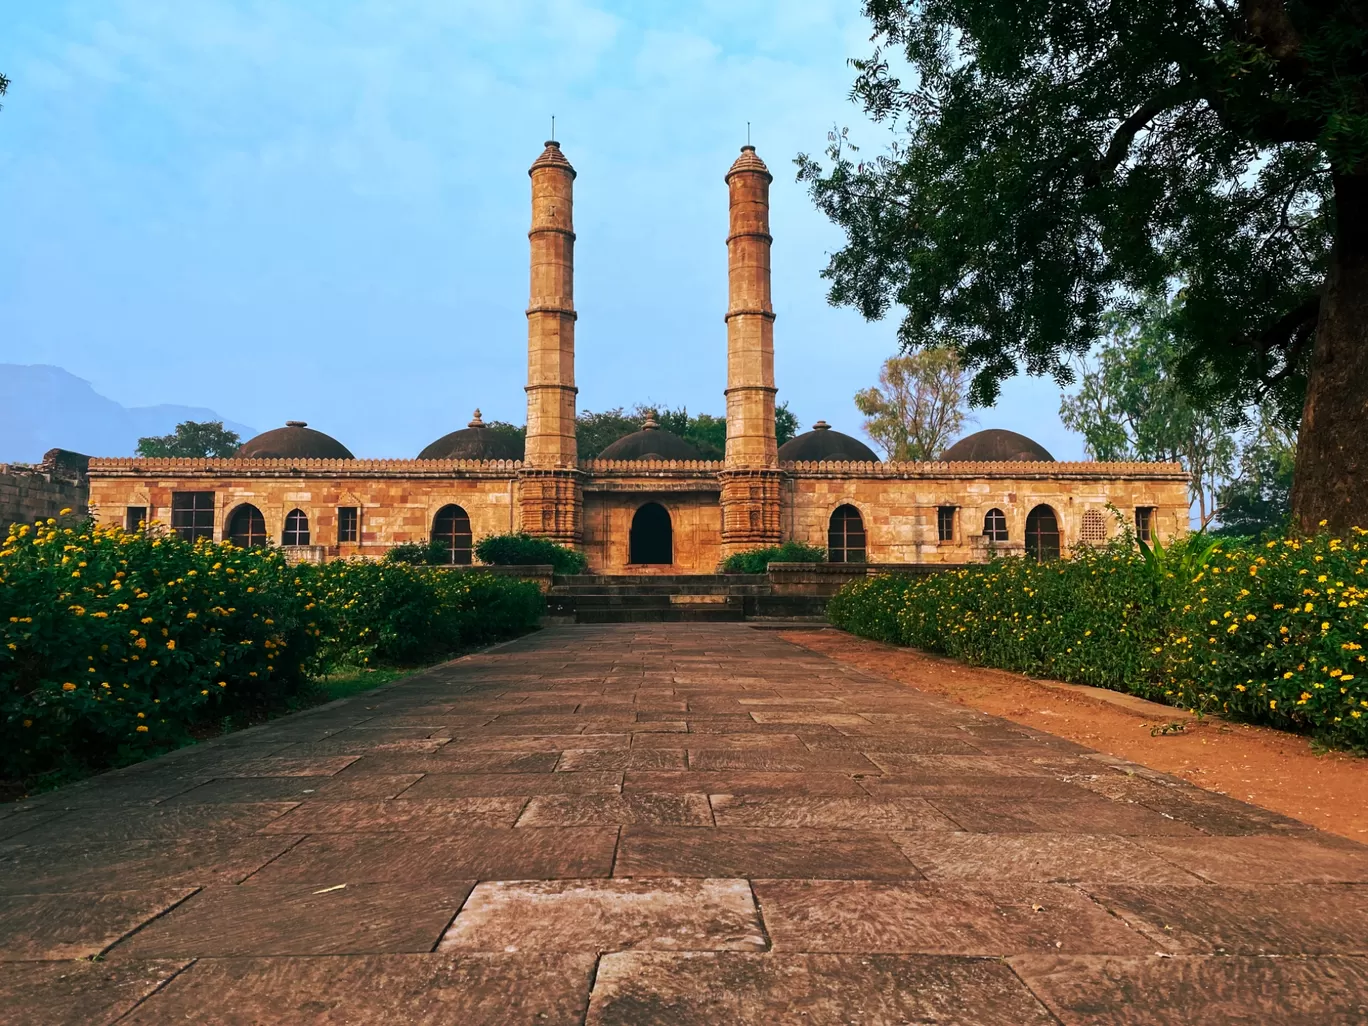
649, 502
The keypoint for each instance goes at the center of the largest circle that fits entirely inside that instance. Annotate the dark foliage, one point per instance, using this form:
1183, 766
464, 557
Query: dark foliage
757, 561
526, 550
192, 439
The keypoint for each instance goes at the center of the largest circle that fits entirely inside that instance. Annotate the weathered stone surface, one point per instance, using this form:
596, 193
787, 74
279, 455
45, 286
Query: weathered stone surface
377, 990
77, 993
608, 915
522, 853
853, 813
778, 760
821, 990
1199, 991
649, 759
1053, 815
162, 822
289, 919
1304, 919
119, 865
471, 785
417, 815
447, 760
295, 789
613, 809
76, 925
1265, 860
745, 782
939, 918
1043, 857
778, 853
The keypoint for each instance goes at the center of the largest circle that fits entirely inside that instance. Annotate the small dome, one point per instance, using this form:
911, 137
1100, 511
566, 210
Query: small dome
295, 441
822, 444
474, 442
552, 157
997, 446
748, 161
651, 442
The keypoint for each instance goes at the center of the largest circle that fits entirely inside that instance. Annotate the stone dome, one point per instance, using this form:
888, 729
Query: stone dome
651, 442
822, 443
748, 161
295, 441
996, 445
473, 442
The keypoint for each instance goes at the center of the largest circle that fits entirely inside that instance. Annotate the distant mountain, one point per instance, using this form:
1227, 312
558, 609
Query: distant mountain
44, 408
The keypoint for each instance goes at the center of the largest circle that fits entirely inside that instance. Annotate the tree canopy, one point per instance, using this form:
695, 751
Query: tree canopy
192, 438
1053, 159
917, 408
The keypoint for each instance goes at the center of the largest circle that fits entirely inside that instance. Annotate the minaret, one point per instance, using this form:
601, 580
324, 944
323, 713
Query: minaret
751, 481
550, 496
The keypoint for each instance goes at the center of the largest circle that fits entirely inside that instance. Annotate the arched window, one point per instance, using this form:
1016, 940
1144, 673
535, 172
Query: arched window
1042, 534
296, 528
652, 537
995, 526
846, 536
451, 530
247, 527
1094, 528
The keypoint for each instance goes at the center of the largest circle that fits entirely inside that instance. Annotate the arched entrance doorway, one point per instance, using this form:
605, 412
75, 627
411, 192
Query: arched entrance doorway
1042, 534
247, 527
652, 539
846, 536
451, 530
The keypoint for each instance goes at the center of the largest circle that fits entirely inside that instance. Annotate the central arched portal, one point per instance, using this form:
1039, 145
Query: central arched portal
652, 538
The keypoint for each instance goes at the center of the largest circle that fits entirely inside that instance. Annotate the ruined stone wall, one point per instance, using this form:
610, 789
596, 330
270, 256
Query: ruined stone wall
899, 501
397, 499
30, 492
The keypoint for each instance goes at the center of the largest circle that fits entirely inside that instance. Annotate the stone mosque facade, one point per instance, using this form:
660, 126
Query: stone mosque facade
648, 503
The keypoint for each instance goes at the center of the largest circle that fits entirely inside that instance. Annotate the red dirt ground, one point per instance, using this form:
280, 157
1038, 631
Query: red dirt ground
1270, 768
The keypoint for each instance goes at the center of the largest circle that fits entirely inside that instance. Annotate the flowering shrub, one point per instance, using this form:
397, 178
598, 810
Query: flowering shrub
115, 645
1269, 633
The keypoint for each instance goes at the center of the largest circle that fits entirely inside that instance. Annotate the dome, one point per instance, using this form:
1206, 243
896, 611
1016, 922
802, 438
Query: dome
748, 161
651, 442
824, 444
474, 442
295, 441
997, 446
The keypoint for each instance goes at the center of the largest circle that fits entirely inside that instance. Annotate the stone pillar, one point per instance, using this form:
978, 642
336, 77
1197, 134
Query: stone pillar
550, 487
751, 480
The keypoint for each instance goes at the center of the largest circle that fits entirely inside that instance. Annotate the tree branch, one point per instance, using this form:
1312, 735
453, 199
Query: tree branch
1171, 96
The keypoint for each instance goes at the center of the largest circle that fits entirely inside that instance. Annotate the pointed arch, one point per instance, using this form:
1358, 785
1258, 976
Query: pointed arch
296, 528
846, 538
451, 530
246, 527
1043, 540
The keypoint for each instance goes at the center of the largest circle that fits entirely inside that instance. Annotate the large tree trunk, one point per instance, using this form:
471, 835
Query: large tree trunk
1331, 480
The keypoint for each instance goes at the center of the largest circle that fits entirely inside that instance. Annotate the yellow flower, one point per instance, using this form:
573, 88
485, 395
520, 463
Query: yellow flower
68, 686
142, 716
142, 729
171, 645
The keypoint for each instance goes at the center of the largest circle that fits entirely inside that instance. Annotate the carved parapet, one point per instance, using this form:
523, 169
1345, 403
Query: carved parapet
103, 467
1014, 469
634, 468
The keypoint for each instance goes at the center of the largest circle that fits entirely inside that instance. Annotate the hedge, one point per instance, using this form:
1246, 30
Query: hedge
1270, 633
527, 550
115, 645
757, 561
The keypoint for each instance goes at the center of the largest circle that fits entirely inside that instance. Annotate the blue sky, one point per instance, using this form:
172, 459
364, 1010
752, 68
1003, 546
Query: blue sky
317, 209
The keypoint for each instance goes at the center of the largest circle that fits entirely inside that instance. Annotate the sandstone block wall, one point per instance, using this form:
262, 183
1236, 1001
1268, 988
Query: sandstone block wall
30, 492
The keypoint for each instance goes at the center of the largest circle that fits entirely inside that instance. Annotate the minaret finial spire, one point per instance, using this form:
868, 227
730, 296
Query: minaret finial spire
553, 126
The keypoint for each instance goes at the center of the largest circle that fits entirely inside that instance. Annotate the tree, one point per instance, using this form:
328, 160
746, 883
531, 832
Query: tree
1258, 501
594, 432
918, 408
192, 438
1131, 404
1053, 155
4, 85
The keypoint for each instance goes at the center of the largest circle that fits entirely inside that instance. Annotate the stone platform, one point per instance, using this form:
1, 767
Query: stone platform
682, 824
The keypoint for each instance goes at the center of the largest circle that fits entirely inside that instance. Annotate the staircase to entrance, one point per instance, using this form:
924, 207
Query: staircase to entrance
675, 598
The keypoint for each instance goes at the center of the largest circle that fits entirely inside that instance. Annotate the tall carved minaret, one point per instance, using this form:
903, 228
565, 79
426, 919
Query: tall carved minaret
550, 493
751, 480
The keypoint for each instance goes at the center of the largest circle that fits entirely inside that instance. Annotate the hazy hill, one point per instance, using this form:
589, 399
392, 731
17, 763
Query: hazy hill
44, 407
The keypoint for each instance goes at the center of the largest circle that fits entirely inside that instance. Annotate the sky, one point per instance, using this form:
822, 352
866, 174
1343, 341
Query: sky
317, 209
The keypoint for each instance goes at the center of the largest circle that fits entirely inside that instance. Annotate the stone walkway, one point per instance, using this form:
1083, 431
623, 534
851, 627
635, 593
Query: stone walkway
667, 824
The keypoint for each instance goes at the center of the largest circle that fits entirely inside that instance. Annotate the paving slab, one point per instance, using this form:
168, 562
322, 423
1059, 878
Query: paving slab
693, 823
